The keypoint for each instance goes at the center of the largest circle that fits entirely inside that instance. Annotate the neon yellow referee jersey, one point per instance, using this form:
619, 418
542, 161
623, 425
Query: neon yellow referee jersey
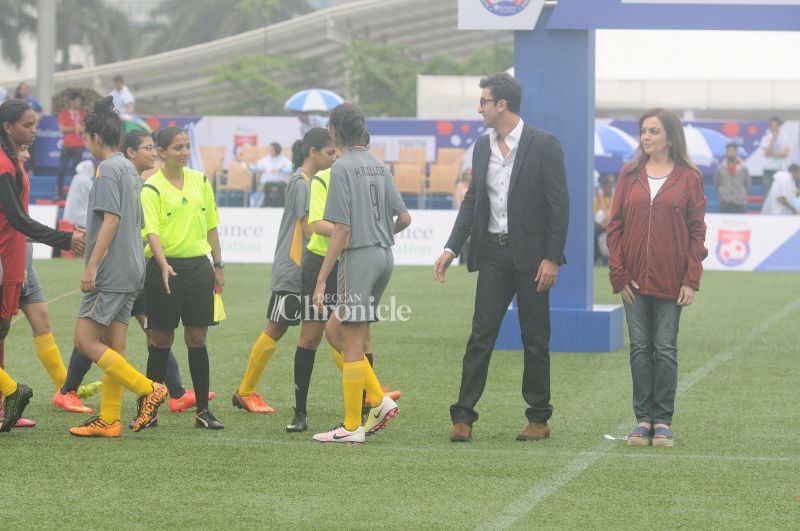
318, 244
180, 218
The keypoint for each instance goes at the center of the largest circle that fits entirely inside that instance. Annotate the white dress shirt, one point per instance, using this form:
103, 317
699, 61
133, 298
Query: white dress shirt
498, 178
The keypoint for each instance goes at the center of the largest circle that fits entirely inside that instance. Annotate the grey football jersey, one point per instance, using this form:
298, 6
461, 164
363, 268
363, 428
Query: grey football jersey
362, 195
117, 190
291, 241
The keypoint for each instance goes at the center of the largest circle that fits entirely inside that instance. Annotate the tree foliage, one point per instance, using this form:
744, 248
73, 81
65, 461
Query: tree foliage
17, 18
260, 84
197, 21
94, 22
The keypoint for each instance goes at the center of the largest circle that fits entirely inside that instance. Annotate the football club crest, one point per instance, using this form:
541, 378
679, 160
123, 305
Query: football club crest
505, 8
733, 246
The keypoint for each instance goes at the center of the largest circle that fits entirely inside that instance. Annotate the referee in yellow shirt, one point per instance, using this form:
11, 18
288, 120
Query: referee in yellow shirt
181, 219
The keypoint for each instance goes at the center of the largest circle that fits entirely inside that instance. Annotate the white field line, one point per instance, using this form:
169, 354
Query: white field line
446, 450
540, 492
52, 301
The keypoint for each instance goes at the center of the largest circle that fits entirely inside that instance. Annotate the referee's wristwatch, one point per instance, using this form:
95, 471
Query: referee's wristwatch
219, 265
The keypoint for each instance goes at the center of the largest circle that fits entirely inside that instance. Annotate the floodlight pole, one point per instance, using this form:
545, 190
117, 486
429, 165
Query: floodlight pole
45, 53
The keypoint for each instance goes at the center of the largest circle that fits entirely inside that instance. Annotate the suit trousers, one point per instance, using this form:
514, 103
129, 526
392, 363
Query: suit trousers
498, 282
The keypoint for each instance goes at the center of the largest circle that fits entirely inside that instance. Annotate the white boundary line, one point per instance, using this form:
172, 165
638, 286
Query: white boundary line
540, 492
48, 303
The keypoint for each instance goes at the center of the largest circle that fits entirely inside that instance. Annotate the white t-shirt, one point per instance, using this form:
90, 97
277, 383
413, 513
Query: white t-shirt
122, 98
774, 163
655, 185
78, 194
273, 169
783, 185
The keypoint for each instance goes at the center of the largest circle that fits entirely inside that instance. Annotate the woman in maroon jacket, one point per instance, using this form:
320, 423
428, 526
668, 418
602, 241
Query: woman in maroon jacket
656, 247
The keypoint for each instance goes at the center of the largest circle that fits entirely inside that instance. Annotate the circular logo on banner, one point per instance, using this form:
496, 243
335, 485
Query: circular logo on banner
505, 8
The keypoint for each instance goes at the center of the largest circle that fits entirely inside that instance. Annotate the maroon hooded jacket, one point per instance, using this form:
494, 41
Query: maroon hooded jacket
660, 246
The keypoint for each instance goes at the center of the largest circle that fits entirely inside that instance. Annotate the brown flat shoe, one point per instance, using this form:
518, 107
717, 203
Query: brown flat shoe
461, 432
535, 431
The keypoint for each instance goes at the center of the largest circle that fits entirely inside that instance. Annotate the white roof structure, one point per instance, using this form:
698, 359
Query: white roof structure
710, 73
178, 82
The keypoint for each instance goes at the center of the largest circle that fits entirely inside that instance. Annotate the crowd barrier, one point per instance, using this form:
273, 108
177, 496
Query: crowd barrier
734, 242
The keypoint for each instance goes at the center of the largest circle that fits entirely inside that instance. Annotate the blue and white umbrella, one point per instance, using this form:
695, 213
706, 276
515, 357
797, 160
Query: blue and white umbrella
706, 146
313, 100
612, 147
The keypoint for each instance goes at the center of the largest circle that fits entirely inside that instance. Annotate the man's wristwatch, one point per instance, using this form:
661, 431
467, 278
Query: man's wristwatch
219, 265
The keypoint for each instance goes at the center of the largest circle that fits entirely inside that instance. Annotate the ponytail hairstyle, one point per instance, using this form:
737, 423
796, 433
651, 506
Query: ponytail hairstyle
104, 121
316, 137
678, 151
349, 123
11, 112
132, 140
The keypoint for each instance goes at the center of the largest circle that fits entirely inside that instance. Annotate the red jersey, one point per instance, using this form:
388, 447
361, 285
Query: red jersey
12, 243
69, 118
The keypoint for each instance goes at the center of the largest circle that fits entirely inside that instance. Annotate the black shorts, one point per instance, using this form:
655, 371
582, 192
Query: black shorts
309, 270
191, 300
285, 308
140, 304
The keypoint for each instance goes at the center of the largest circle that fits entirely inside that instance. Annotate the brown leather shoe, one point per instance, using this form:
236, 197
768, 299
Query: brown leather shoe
535, 431
461, 432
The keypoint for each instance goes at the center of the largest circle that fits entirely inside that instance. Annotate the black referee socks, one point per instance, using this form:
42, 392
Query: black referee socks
303, 367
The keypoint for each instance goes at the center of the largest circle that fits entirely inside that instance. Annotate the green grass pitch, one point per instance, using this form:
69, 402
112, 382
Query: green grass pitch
736, 463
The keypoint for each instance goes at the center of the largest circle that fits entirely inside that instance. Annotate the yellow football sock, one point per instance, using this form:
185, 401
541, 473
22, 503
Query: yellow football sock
50, 357
372, 385
7, 384
111, 399
353, 385
260, 355
123, 372
338, 359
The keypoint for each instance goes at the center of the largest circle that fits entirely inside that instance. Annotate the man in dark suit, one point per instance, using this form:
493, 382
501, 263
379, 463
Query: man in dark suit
516, 213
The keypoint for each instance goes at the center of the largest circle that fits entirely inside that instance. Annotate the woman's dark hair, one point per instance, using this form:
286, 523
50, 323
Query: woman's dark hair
104, 122
316, 137
675, 136
164, 137
350, 124
11, 111
504, 87
132, 140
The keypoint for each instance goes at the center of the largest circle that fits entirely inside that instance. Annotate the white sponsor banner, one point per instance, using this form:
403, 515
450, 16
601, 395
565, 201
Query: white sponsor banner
249, 235
719, 2
498, 14
743, 243
46, 215
734, 242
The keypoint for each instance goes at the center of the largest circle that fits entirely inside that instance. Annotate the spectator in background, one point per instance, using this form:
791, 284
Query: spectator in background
78, 195
309, 121
776, 152
275, 170
23, 93
123, 97
71, 121
780, 200
3, 94
732, 182
603, 197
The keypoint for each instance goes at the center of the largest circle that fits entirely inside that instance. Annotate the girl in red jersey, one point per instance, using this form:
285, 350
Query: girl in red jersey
17, 129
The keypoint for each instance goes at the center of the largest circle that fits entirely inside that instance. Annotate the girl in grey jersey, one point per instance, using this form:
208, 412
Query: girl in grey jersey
366, 210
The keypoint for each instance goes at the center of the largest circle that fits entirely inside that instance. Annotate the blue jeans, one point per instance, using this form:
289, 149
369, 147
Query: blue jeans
653, 329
